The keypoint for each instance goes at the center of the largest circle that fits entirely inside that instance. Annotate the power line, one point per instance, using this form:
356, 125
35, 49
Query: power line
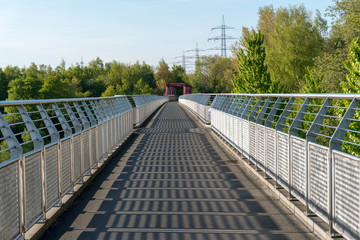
196, 50
183, 61
223, 37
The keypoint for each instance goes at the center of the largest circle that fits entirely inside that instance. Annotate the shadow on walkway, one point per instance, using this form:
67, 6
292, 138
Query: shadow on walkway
174, 181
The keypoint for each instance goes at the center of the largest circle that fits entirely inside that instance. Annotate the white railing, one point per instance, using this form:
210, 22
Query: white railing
198, 104
308, 143
145, 106
48, 147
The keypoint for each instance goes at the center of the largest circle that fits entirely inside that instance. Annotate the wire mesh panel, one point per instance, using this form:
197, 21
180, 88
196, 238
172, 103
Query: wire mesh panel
65, 151
252, 136
9, 201
214, 118
298, 167
100, 142
52, 174
283, 159
271, 152
231, 128
260, 147
93, 158
240, 133
76, 142
112, 133
227, 126
109, 135
319, 179
105, 137
33, 189
347, 194
86, 149
246, 136
236, 132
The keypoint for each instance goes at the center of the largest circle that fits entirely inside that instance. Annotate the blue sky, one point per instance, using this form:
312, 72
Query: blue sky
47, 31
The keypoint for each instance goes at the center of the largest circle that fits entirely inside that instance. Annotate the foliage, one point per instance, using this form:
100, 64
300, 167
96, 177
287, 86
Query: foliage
266, 21
252, 75
345, 26
313, 82
163, 76
346, 19
26, 87
3, 85
293, 41
352, 84
54, 86
212, 74
142, 88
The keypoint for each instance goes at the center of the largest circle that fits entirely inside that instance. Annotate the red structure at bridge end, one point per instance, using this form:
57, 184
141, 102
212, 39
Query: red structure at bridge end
171, 89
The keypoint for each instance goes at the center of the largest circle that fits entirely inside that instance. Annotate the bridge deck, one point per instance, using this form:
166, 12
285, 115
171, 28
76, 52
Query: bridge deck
174, 181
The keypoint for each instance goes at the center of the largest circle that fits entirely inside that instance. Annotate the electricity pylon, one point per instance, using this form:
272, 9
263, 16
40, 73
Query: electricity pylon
183, 62
196, 50
223, 37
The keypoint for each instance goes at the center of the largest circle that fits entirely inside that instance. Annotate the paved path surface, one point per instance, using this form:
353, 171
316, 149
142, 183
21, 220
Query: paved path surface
173, 181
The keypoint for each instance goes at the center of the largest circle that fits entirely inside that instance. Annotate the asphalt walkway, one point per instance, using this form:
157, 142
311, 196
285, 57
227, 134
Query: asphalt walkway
174, 181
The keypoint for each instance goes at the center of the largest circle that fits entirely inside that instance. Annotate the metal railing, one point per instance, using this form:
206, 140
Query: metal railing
198, 104
145, 105
308, 143
49, 146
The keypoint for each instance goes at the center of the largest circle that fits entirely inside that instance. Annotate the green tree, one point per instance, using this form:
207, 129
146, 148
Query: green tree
3, 85
345, 26
24, 88
212, 74
346, 19
162, 76
179, 74
5, 155
266, 21
199, 80
110, 91
252, 75
313, 82
220, 75
55, 87
12, 73
292, 45
142, 88
352, 83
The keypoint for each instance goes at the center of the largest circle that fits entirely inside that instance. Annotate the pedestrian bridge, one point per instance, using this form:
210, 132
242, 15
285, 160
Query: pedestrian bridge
255, 167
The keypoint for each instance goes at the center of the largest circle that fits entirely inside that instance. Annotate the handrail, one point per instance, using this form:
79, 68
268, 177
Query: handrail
47, 147
309, 144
